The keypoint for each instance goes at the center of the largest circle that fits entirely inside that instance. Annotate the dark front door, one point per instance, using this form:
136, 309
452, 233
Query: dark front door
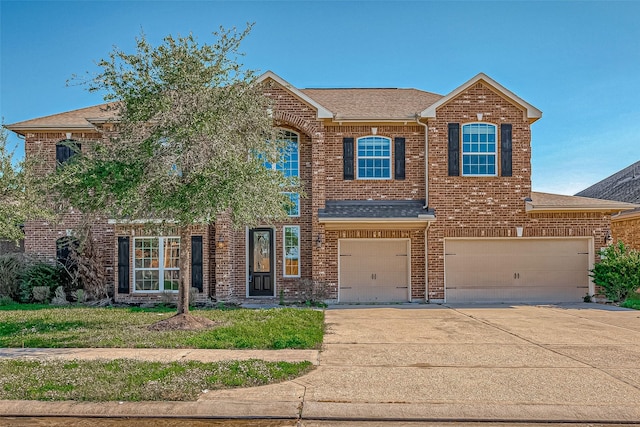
261, 262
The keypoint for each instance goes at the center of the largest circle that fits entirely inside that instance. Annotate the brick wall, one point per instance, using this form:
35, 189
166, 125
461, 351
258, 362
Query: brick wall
627, 230
230, 261
411, 188
41, 236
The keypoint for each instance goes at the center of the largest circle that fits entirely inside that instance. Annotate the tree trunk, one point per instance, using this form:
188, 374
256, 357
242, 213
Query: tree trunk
184, 284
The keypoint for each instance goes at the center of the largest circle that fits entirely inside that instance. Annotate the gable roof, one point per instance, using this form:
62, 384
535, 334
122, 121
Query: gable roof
547, 202
533, 113
373, 104
72, 120
322, 112
623, 186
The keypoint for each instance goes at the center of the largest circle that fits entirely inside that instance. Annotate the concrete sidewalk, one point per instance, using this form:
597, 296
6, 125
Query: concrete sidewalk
430, 363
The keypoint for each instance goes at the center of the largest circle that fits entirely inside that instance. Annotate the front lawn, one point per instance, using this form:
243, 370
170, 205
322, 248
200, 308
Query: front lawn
133, 380
43, 326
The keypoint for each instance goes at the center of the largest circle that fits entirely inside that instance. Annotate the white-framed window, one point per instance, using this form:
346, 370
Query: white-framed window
479, 149
289, 165
374, 157
293, 208
156, 264
291, 250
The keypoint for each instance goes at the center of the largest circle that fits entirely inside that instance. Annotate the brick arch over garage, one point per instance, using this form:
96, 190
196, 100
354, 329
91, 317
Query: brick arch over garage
285, 118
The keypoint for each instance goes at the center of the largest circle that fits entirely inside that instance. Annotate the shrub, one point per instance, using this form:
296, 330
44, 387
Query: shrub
193, 296
60, 297
41, 294
40, 274
618, 272
313, 292
11, 268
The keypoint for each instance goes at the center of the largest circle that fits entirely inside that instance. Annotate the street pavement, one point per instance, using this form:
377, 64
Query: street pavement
422, 363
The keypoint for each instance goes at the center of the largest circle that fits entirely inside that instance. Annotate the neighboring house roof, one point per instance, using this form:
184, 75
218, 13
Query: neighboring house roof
71, 120
623, 186
546, 202
533, 113
363, 210
373, 104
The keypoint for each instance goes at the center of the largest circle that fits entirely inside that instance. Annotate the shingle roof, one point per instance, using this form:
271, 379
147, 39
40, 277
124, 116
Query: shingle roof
623, 186
557, 202
372, 104
75, 119
374, 209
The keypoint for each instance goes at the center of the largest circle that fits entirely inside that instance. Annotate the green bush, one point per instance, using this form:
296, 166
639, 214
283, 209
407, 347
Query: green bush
618, 272
11, 268
37, 275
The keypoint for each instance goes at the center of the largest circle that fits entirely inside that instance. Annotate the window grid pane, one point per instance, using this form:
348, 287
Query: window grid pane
374, 157
292, 251
293, 209
479, 149
290, 162
148, 270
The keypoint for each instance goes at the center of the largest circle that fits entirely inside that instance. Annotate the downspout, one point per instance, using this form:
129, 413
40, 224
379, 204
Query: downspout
426, 206
426, 160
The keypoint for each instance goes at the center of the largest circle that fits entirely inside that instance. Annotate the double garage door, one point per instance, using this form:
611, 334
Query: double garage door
516, 270
374, 270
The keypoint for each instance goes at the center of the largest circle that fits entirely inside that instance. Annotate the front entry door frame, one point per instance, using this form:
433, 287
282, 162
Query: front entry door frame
261, 283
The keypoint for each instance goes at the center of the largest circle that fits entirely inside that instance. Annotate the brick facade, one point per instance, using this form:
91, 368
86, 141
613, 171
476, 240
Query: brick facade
479, 207
626, 228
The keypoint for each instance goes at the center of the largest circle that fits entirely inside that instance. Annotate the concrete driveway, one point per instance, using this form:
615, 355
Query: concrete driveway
577, 363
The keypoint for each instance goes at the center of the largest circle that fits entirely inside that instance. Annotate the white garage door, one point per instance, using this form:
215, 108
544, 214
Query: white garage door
516, 270
374, 270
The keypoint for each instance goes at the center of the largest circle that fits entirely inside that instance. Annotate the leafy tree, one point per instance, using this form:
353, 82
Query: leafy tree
618, 272
192, 133
20, 197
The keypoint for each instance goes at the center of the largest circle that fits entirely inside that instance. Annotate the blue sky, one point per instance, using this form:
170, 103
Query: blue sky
579, 62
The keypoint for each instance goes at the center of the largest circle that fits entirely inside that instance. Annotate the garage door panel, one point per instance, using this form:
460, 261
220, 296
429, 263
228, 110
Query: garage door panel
516, 270
374, 270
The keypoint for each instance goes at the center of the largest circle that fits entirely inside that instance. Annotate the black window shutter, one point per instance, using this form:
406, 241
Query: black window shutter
196, 262
347, 155
505, 150
66, 149
62, 153
123, 265
454, 149
399, 158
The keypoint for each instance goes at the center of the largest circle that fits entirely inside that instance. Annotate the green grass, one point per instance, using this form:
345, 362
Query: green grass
632, 301
132, 380
47, 327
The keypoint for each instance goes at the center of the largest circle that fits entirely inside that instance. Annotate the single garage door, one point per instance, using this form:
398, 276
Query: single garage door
516, 270
374, 270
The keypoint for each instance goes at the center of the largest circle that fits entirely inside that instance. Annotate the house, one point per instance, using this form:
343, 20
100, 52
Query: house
411, 196
623, 186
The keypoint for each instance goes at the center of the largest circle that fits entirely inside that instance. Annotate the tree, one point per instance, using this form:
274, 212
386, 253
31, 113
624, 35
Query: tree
192, 135
20, 197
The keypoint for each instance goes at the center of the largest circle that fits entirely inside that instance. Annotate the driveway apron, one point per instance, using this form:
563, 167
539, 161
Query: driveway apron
509, 363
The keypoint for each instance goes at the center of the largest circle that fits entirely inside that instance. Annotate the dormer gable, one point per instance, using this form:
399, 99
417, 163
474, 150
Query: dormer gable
322, 112
532, 113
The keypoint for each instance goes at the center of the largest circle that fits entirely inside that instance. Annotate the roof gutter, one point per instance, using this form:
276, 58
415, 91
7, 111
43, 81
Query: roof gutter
426, 160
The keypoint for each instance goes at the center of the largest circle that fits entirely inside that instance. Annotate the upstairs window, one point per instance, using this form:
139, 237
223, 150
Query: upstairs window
374, 157
479, 149
289, 165
66, 149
